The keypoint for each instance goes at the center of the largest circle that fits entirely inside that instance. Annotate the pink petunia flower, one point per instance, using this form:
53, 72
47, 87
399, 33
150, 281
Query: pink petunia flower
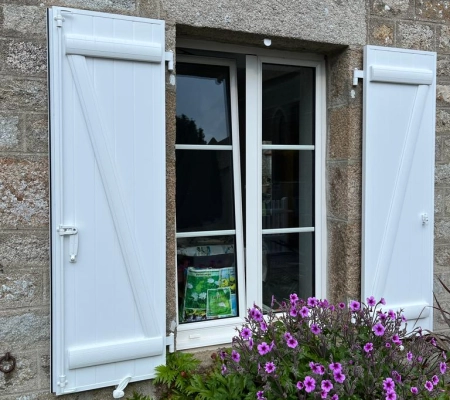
310, 384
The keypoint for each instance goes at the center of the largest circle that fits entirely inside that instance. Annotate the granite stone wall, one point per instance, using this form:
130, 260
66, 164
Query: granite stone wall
336, 28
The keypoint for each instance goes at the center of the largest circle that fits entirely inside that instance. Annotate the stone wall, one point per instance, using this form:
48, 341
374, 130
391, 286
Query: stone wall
336, 28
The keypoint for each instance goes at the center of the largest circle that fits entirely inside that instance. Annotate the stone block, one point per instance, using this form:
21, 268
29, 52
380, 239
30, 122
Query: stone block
24, 20
381, 32
442, 230
24, 249
11, 138
392, 8
439, 322
345, 133
439, 196
344, 191
435, 10
443, 95
21, 329
23, 94
44, 372
24, 192
150, 9
443, 66
438, 288
411, 35
442, 175
344, 260
442, 121
24, 377
446, 202
23, 57
443, 39
438, 148
20, 288
36, 133
329, 21
441, 258
341, 67
444, 151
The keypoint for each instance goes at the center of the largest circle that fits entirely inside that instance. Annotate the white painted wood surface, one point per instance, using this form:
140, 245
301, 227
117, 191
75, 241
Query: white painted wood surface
107, 119
398, 180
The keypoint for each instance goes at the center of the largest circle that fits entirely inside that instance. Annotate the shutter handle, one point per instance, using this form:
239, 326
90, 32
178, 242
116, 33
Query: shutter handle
73, 243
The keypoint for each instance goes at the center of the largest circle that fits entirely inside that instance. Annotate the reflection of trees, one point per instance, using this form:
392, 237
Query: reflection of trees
187, 131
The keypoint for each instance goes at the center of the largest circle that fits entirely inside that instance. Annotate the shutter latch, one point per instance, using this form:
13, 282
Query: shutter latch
73, 243
425, 219
357, 74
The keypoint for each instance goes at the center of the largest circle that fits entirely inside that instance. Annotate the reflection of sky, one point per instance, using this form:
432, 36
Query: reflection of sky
203, 100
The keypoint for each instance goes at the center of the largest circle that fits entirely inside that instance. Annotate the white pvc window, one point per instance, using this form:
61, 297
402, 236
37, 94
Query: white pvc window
282, 119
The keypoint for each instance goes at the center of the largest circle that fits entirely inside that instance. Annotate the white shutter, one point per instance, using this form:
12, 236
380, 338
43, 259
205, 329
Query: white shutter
398, 180
107, 121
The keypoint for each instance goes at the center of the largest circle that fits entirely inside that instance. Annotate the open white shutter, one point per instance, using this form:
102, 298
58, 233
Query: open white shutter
107, 121
398, 180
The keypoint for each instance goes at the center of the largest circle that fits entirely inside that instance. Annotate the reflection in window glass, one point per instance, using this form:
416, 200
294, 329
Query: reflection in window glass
288, 104
207, 281
204, 190
288, 260
203, 110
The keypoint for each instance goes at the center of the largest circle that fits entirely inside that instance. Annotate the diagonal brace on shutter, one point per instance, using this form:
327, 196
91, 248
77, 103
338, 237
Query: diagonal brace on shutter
114, 193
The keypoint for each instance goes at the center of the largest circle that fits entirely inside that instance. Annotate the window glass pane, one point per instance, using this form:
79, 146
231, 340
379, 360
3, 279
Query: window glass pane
288, 266
207, 278
287, 105
203, 104
204, 190
287, 189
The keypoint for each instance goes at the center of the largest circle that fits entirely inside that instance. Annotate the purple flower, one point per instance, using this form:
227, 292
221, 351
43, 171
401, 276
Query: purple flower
263, 348
317, 368
255, 314
335, 397
378, 329
310, 384
292, 343
338, 376
371, 302
304, 312
354, 305
312, 302
368, 347
414, 390
396, 339
235, 356
335, 367
293, 312
246, 333
383, 301
331, 307
435, 380
341, 306
263, 326
388, 345
300, 385
397, 377
442, 367
428, 386
324, 303
250, 343
326, 385
409, 356
224, 369
315, 329
287, 335
260, 395
388, 384
391, 314
382, 316
294, 298
270, 367
403, 318
391, 395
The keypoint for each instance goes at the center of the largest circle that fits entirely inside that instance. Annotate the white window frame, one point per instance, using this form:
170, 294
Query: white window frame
207, 333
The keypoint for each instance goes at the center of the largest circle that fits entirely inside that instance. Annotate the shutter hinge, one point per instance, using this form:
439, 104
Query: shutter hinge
62, 381
357, 74
168, 57
60, 19
170, 342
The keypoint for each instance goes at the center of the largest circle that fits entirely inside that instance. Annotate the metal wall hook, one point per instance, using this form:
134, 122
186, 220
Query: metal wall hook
7, 363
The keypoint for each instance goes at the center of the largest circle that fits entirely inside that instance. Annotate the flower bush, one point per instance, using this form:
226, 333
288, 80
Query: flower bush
310, 349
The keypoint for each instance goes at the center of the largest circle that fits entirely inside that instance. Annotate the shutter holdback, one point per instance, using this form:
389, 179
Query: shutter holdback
119, 392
